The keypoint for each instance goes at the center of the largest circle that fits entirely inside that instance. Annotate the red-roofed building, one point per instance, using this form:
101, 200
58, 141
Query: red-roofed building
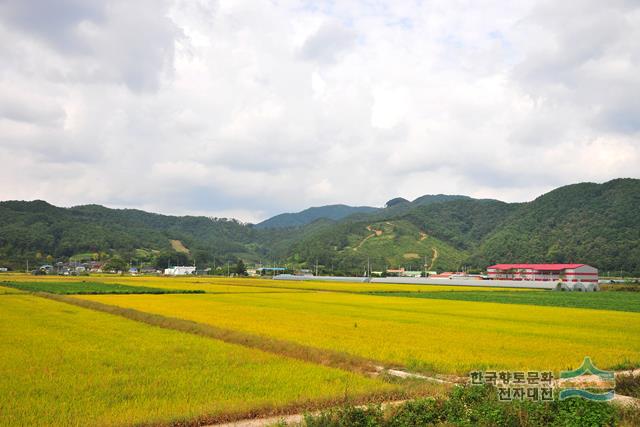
544, 272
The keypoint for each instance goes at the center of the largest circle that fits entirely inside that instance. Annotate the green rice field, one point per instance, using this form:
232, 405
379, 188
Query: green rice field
618, 301
69, 288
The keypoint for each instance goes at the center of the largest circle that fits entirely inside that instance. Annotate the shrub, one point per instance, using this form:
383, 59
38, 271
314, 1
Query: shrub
479, 406
628, 385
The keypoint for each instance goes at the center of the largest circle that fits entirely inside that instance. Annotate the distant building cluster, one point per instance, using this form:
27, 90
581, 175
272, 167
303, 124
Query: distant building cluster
567, 276
74, 268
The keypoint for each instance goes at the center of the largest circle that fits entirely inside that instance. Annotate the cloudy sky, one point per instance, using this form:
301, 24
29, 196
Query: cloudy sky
248, 108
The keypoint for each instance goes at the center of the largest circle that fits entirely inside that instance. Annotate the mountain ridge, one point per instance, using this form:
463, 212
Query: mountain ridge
341, 211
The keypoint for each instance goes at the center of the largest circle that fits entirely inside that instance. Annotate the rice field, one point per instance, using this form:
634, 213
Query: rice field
5, 290
264, 346
250, 285
429, 335
64, 365
207, 285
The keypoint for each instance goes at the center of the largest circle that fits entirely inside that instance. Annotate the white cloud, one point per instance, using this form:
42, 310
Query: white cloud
254, 108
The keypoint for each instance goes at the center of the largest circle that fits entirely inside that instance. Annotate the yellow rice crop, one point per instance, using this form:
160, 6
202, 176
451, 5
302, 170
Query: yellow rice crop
5, 290
179, 283
65, 365
439, 335
236, 285
357, 287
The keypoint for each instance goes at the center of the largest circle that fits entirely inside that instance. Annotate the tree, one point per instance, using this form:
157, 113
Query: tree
241, 270
115, 264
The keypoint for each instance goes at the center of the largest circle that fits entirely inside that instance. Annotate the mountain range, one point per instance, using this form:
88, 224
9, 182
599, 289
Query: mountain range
337, 212
597, 224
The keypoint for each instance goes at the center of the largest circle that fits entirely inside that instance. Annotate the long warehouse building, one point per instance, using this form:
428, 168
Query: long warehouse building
544, 272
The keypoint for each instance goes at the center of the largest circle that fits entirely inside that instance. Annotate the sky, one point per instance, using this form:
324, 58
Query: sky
250, 108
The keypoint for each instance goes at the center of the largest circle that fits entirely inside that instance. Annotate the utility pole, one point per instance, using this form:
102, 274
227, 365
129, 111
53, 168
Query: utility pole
228, 274
368, 268
424, 267
27, 265
316, 266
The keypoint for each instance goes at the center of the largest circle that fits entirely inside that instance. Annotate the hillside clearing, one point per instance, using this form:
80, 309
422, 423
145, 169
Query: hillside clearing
178, 246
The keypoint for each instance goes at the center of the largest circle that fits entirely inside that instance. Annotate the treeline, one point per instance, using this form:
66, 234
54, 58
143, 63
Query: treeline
39, 232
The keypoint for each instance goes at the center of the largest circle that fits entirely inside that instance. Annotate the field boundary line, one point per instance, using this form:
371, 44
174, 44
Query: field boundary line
290, 349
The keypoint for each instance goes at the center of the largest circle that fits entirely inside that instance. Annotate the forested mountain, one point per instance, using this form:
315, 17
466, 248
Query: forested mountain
596, 224
309, 215
42, 233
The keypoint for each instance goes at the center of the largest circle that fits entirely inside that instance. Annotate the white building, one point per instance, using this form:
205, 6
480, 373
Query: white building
179, 271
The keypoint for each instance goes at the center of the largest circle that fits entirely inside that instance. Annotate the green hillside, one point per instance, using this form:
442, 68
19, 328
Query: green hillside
346, 247
596, 224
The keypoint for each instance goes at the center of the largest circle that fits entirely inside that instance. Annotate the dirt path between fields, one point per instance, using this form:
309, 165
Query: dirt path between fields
294, 419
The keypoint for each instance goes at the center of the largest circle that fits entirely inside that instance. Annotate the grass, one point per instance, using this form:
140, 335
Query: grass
622, 287
90, 288
620, 301
423, 334
478, 406
65, 365
628, 385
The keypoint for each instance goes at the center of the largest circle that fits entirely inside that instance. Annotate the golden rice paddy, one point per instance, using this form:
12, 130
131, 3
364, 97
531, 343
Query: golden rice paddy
433, 335
65, 365
79, 366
